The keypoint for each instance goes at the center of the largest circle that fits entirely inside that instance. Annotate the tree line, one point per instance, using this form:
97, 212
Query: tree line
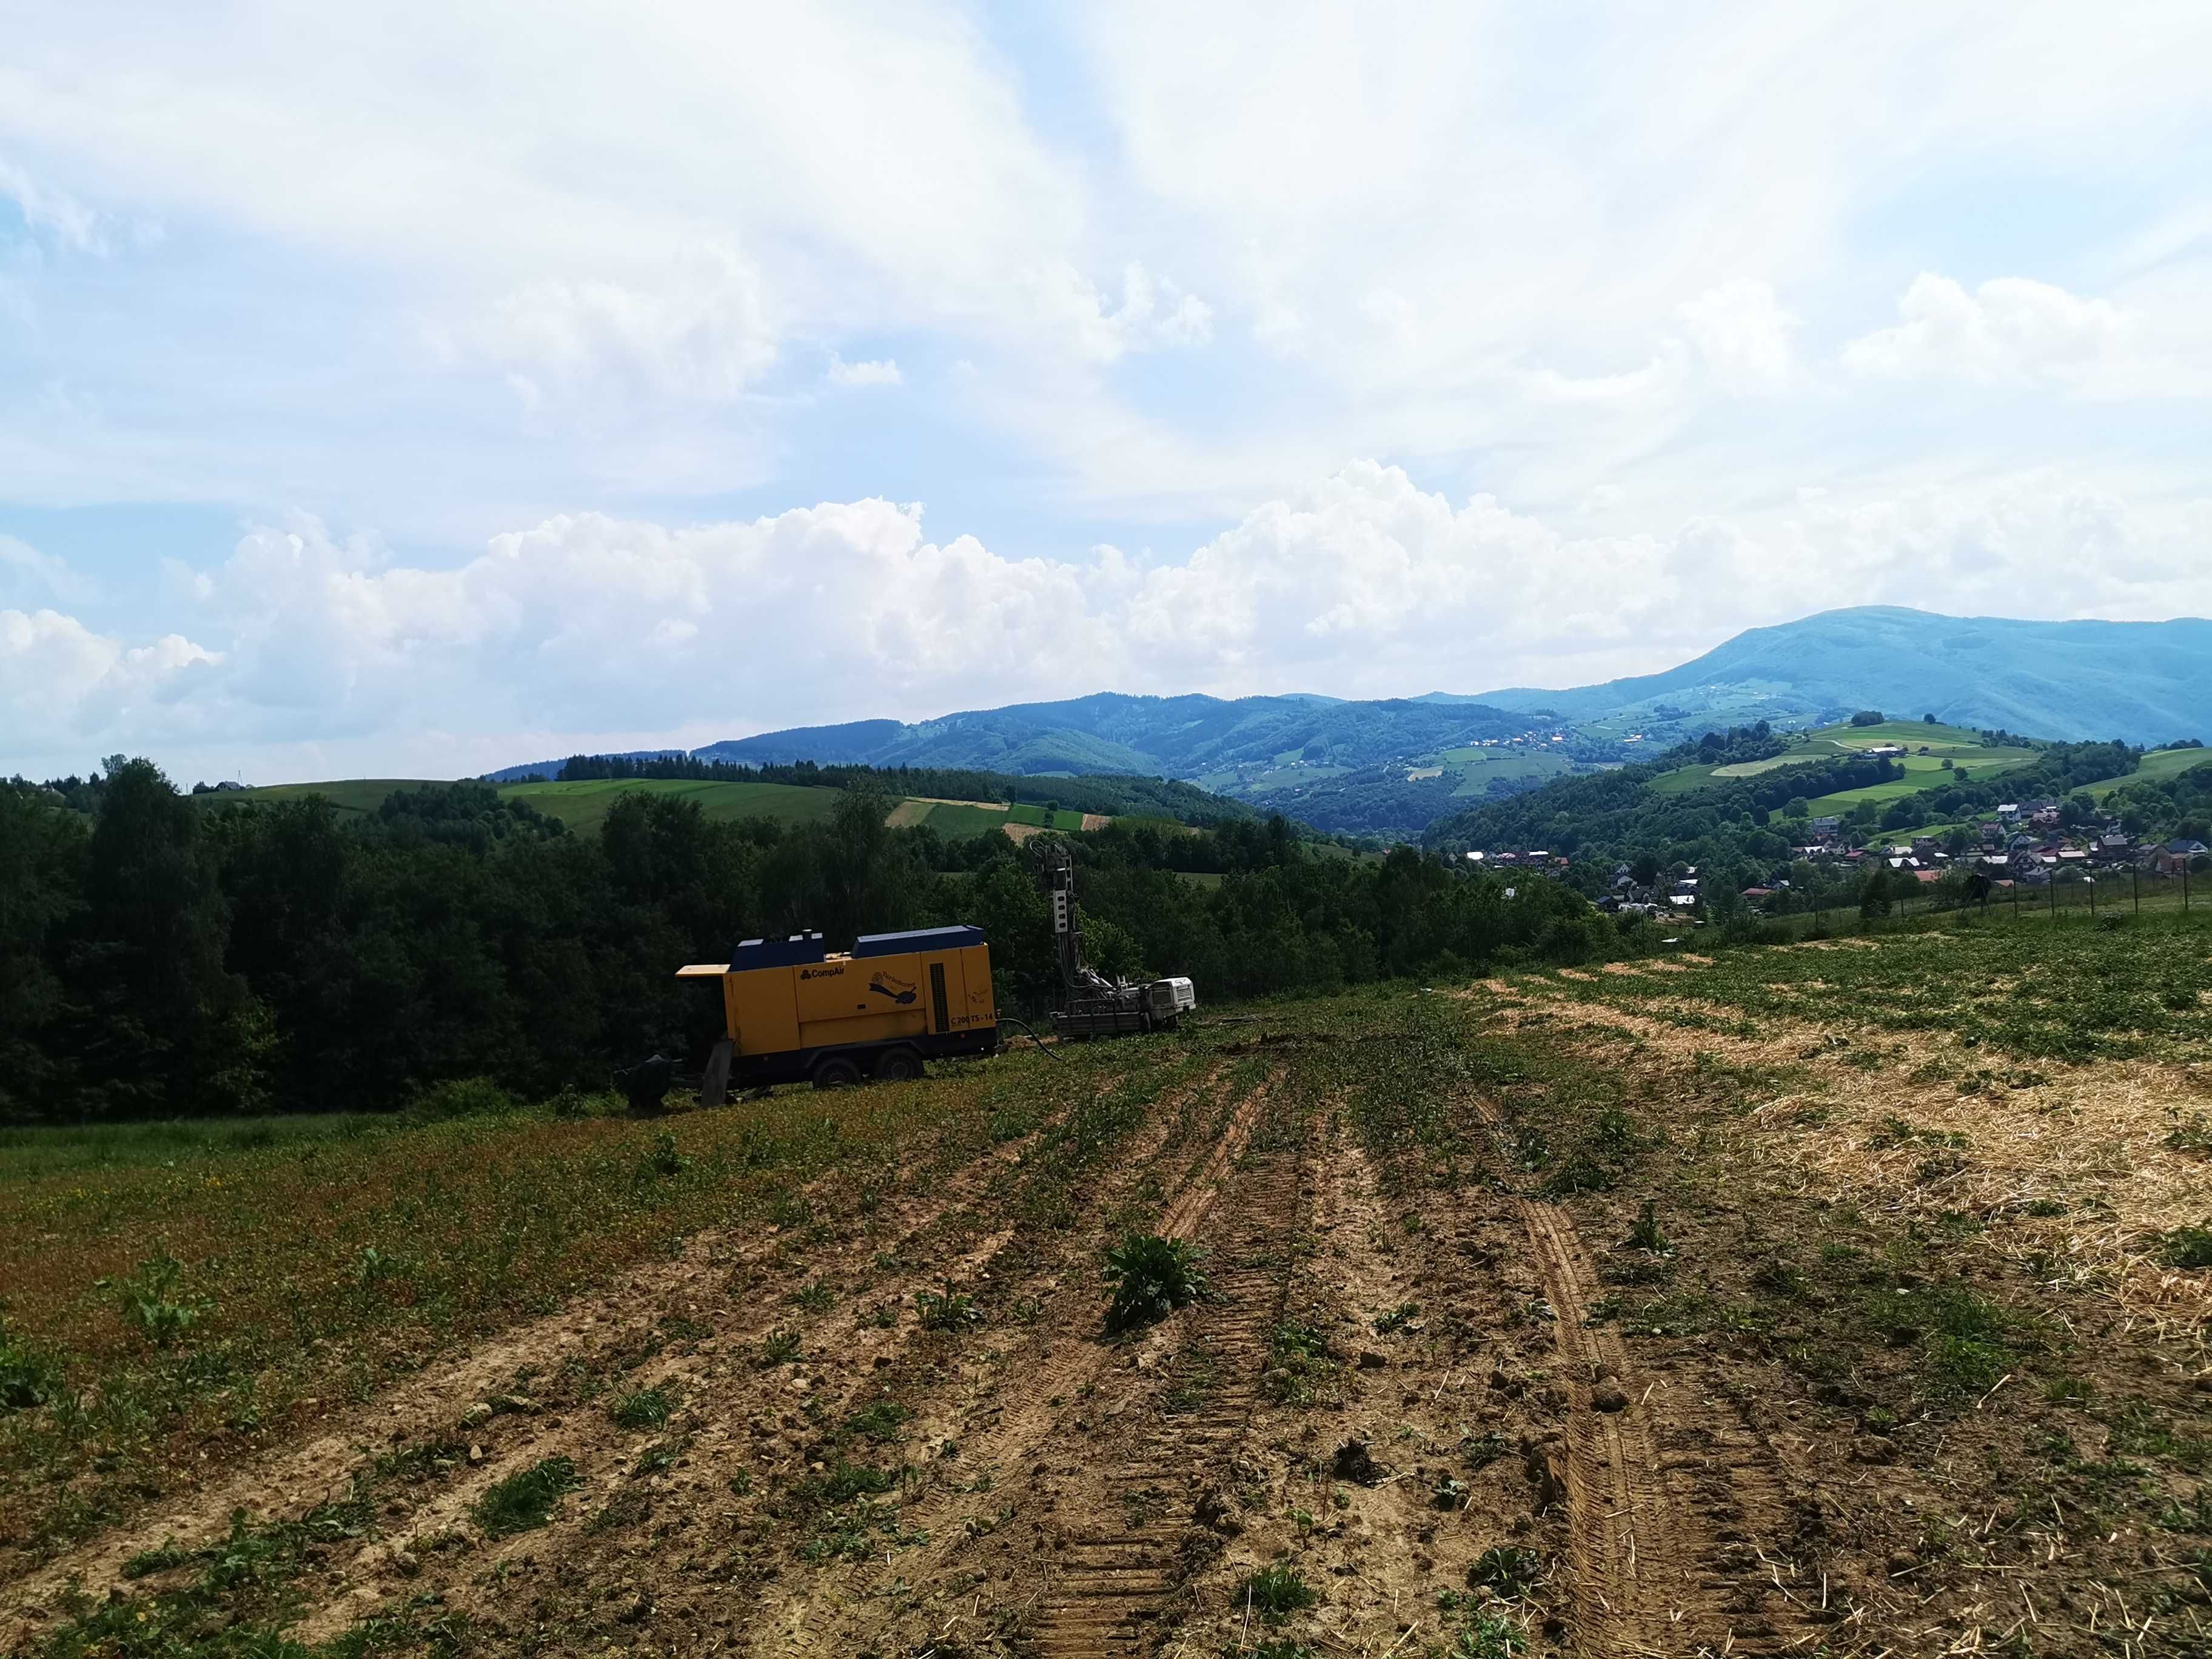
167, 954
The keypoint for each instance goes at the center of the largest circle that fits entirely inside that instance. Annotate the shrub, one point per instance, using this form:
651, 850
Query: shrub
1278, 1591
525, 1500
1152, 1278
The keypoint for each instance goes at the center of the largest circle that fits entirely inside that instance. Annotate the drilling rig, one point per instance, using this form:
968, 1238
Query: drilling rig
1096, 1005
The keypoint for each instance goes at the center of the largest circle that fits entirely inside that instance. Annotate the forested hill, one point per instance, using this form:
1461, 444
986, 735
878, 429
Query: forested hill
2143, 682
1677, 810
1184, 737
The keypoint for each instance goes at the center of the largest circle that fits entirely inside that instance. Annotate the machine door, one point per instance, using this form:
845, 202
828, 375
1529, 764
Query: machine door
940, 1017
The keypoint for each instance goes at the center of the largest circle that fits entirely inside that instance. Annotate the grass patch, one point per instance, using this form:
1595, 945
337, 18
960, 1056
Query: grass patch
525, 1500
642, 1409
1278, 1591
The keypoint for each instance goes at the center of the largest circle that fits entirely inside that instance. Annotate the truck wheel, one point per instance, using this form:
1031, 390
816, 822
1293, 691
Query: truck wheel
836, 1073
899, 1065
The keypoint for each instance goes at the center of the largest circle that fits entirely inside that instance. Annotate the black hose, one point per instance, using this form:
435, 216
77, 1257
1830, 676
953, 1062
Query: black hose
1032, 1036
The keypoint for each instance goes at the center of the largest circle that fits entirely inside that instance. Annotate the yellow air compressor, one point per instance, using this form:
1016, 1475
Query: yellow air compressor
795, 1013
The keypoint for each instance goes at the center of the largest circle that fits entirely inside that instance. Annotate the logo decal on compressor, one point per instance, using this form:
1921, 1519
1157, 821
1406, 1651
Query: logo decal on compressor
890, 985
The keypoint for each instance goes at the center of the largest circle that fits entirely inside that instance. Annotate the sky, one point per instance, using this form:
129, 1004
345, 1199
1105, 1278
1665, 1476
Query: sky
412, 390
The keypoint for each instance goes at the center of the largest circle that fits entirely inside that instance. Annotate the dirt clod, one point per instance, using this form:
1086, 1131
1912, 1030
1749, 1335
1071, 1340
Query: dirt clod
1371, 1361
1608, 1398
1354, 1463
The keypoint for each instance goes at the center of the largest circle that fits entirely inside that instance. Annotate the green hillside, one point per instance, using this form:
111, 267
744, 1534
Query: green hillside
2159, 764
583, 806
1927, 747
352, 797
2079, 681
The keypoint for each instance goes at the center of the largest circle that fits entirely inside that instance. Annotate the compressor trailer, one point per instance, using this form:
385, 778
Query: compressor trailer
795, 1013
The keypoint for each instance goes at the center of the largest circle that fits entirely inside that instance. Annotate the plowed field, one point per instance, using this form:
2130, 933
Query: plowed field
1800, 1302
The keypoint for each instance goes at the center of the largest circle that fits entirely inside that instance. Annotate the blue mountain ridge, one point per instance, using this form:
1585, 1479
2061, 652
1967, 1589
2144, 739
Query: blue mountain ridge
2147, 683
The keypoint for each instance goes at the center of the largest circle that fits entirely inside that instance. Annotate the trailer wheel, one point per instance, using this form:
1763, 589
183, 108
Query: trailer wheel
898, 1065
836, 1073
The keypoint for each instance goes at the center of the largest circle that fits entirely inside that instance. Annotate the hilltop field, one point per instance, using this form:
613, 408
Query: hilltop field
1848, 1297
1923, 749
583, 806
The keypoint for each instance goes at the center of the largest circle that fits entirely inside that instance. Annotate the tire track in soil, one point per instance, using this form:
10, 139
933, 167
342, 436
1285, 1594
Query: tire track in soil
819, 1619
1663, 1505
1107, 1586
290, 1480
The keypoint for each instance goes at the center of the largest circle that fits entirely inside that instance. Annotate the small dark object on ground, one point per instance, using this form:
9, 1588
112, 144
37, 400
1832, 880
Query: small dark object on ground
646, 1084
1355, 1463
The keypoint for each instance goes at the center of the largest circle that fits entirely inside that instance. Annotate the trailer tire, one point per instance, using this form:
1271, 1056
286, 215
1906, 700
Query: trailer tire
898, 1065
836, 1073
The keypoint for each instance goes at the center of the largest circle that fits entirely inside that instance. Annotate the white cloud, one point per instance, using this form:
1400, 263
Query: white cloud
1153, 314
1742, 334
882, 372
60, 683
703, 333
25, 571
2009, 331
55, 212
1362, 584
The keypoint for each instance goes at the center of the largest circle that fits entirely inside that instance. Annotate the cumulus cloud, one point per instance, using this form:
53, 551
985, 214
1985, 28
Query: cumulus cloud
60, 682
1153, 313
2009, 331
703, 333
1735, 339
1363, 584
882, 372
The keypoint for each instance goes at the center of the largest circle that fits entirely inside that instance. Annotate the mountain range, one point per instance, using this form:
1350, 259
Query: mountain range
2147, 683
1394, 764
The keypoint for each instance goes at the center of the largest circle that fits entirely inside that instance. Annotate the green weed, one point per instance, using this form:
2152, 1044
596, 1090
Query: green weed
1506, 1570
525, 1500
1278, 1591
2188, 1247
642, 1409
947, 1310
1645, 1234
149, 1302
1397, 1318
663, 1160
1152, 1278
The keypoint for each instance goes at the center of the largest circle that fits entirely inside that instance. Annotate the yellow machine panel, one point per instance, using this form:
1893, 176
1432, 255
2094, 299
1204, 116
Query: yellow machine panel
800, 1000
